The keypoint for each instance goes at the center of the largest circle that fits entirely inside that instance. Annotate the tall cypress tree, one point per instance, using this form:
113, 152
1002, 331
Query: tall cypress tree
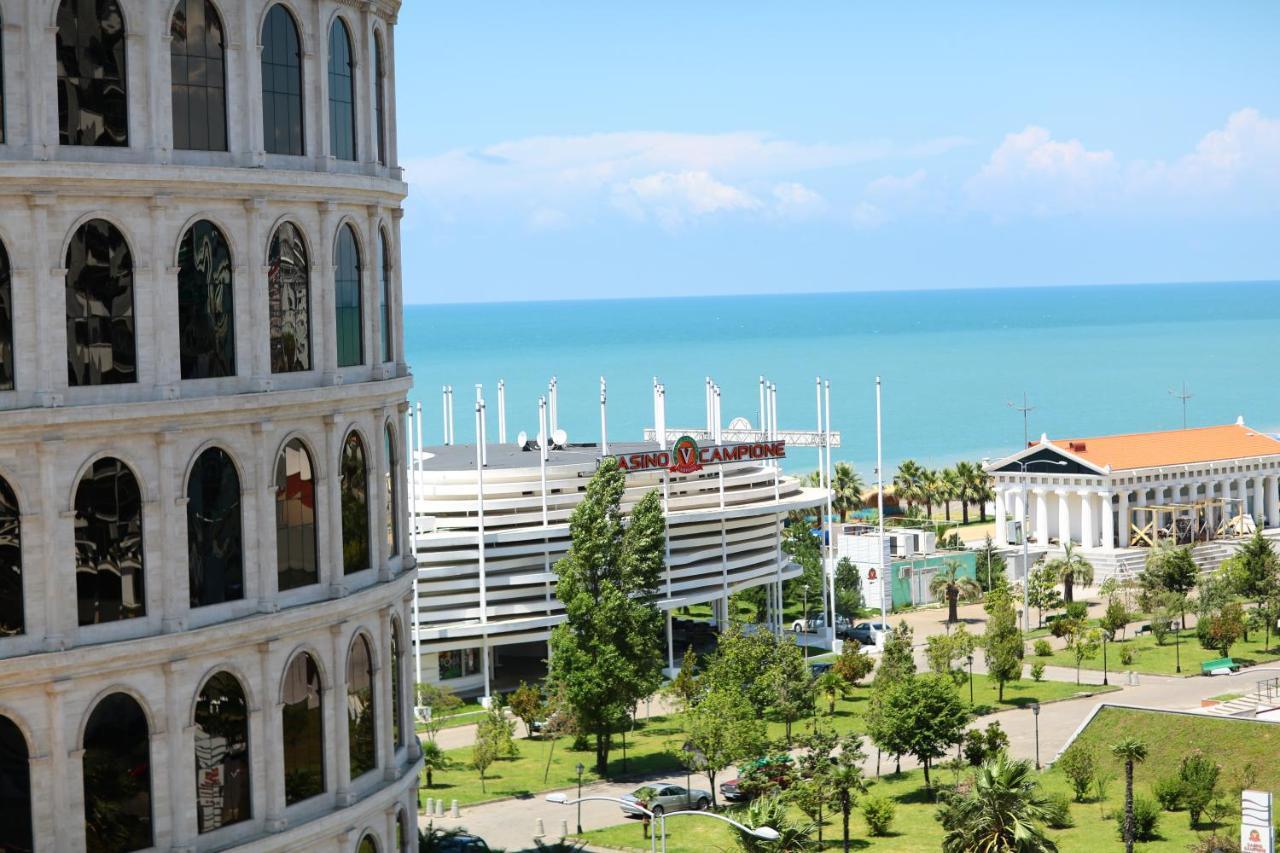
1003, 640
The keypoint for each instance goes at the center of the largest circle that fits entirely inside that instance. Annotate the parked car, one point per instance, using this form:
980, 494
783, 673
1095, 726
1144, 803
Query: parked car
451, 841
817, 668
668, 797
817, 623
864, 632
770, 771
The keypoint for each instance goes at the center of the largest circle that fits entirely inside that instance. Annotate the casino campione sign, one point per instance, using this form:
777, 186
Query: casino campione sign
686, 457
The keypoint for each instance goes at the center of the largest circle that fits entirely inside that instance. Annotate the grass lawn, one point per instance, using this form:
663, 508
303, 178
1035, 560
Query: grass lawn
467, 713
1161, 660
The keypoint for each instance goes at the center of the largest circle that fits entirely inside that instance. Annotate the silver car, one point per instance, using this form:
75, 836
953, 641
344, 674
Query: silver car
667, 798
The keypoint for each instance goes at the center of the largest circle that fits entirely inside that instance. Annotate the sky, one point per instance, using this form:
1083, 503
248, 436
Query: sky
560, 150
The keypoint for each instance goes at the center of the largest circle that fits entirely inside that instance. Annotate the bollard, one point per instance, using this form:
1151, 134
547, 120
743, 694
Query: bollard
440, 808
564, 829
456, 812
539, 832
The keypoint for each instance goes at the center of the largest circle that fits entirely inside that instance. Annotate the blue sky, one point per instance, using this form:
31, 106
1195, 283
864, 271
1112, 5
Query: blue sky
584, 150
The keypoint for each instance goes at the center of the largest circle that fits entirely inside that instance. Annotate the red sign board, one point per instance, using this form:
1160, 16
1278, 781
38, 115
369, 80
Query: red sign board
686, 457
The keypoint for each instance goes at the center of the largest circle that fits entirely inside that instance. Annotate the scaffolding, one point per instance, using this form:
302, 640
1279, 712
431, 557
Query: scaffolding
1188, 523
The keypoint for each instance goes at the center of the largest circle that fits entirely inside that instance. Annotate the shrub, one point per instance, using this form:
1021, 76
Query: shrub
1169, 793
1037, 672
1043, 649
1077, 610
1127, 655
1199, 779
1146, 818
1080, 767
1057, 809
878, 813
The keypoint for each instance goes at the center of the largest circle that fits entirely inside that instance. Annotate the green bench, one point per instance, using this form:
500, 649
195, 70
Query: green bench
1211, 666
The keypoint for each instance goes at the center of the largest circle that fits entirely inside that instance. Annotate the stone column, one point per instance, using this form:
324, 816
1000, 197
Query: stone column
1259, 501
1273, 500
66, 782
1042, 517
175, 602
264, 570
253, 341
386, 745
370, 294
1123, 518
1064, 516
1087, 537
1020, 511
329, 514
58, 567
397, 283
182, 769
1108, 520
1000, 537
337, 707
266, 745
1242, 492
249, 143
324, 297
379, 553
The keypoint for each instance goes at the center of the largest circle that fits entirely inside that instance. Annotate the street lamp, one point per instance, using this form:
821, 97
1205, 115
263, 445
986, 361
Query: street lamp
580, 769
1035, 712
805, 607
1177, 647
1026, 558
764, 833
1105, 632
969, 658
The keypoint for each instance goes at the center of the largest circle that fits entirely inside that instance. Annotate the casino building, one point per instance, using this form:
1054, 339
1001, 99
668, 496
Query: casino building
205, 586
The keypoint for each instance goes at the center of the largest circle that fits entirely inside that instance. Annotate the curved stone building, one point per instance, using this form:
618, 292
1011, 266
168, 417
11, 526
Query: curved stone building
204, 588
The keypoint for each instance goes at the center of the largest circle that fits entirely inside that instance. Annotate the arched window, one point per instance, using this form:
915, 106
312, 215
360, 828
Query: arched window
215, 551
281, 84
198, 60
295, 518
396, 662
302, 731
206, 319
342, 92
11, 609
379, 99
108, 525
346, 284
117, 777
100, 334
6, 312
384, 294
289, 297
367, 845
93, 102
354, 486
393, 506
360, 729
222, 754
15, 788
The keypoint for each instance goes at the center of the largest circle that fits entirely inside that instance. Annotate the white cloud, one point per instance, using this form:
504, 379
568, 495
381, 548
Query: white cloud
673, 198
1030, 172
796, 201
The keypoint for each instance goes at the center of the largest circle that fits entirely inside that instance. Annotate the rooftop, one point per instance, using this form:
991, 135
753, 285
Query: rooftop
1172, 447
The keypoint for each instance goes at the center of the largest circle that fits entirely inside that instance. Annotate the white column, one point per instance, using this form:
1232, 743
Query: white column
340, 782
1087, 537
1157, 494
1000, 538
1064, 515
1259, 500
1020, 509
1108, 520
1242, 492
1273, 501
1042, 517
1122, 518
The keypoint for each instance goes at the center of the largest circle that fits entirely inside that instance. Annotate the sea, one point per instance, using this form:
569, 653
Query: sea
954, 364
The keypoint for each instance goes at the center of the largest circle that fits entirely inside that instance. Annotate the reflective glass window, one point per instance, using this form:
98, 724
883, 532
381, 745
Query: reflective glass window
396, 662
302, 731
197, 60
11, 608
392, 505
101, 348
289, 298
108, 529
206, 317
117, 777
6, 318
215, 552
15, 789
360, 728
342, 93
459, 663
295, 518
379, 99
281, 84
346, 283
93, 103
384, 294
354, 486
222, 754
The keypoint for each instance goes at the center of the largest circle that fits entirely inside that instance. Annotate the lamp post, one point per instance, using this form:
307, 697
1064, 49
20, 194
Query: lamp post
805, 607
1105, 632
1035, 712
580, 769
1177, 648
1026, 558
969, 658
764, 833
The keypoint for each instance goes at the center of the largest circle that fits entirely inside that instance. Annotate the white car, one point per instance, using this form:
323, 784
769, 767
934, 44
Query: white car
817, 623
667, 797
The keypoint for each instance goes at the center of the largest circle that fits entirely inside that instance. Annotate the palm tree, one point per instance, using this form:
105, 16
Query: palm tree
1004, 811
906, 483
983, 491
1071, 568
1132, 751
930, 490
831, 686
950, 583
848, 487
952, 489
433, 758
966, 473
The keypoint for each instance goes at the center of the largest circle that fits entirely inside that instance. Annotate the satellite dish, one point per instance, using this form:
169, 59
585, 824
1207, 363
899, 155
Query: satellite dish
559, 437
522, 439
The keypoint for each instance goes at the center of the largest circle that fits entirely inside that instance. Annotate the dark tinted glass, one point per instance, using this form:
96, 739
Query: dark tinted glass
117, 777
379, 97
11, 611
355, 506
197, 59
384, 294
93, 103
108, 525
281, 84
392, 507
15, 789
342, 93
100, 334
360, 708
396, 662
367, 846
6, 315
206, 320
222, 754
302, 731
215, 553
289, 297
295, 518
346, 284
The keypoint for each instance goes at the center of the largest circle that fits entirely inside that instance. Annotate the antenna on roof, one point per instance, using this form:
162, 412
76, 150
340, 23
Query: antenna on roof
1025, 409
1184, 397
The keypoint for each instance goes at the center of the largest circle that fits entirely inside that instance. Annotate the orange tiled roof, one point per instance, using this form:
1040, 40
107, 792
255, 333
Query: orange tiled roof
1172, 447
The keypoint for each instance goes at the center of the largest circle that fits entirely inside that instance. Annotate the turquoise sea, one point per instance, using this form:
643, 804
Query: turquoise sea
1091, 359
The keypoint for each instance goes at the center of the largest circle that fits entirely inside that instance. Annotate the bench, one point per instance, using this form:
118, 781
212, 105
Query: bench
1219, 666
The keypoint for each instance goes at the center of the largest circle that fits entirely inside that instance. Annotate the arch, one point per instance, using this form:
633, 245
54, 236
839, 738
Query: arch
302, 729
282, 116
384, 294
215, 548
206, 313
403, 831
289, 297
110, 569
6, 295
379, 98
348, 313
368, 844
397, 668
362, 742
342, 91
117, 775
392, 506
93, 97
15, 788
12, 617
197, 55
223, 769
353, 474
296, 563
101, 343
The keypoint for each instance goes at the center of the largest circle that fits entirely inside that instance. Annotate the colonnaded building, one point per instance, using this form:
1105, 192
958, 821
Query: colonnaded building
204, 591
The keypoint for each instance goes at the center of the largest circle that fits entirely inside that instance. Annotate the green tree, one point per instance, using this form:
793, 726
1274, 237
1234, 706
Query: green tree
1002, 642
606, 655
684, 687
1199, 777
897, 661
990, 565
1116, 617
772, 811
1079, 765
830, 686
739, 663
906, 483
846, 782
434, 758
790, 684
1221, 629
922, 717
976, 488
1255, 574
951, 488
1070, 569
1042, 591
1173, 569
848, 589
847, 489
853, 664
949, 583
943, 650
1005, 810
526, 703
1085, 642
930, 486
441, 701
483, 754
811, 792
1131, 751
724, 730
